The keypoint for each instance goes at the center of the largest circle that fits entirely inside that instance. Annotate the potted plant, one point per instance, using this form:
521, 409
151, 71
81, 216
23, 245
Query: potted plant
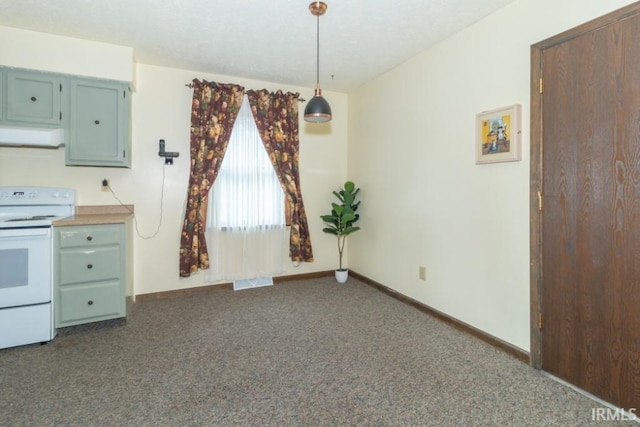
340, 221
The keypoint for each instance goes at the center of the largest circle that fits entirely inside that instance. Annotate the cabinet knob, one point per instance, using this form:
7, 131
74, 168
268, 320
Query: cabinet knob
89, 238
34, 99
90, 302
97, 122
90, 266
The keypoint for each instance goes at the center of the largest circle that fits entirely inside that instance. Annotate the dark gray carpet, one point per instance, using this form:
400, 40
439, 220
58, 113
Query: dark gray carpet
303, 353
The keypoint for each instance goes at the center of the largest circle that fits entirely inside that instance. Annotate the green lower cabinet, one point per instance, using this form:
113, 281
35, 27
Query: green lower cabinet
89, 274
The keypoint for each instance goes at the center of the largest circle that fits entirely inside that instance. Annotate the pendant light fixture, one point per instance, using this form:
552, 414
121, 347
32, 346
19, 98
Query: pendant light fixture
317, 109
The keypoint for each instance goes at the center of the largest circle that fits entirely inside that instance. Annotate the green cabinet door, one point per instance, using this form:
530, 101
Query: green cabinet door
2, 95
33, 98
98, 124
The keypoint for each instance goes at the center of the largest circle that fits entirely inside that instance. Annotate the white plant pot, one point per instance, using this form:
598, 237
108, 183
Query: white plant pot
342, 275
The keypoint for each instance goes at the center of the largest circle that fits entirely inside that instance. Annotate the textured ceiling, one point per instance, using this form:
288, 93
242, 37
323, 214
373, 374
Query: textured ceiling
273, 41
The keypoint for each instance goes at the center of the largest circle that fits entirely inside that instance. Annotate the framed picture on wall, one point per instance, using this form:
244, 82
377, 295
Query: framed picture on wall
498, 135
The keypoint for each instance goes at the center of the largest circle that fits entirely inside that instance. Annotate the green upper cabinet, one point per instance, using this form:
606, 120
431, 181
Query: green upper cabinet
99, 123
33, 98
94, 113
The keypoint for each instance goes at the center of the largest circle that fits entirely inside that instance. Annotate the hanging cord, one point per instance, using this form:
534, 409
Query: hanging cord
135, 219
317, 50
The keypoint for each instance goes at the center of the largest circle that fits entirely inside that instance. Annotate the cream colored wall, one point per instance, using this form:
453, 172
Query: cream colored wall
425, 201
161, 110
162, 106
47, 52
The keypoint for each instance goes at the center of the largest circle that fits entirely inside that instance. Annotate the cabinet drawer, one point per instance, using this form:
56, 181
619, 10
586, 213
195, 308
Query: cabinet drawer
89, 265
87, 303
89, 236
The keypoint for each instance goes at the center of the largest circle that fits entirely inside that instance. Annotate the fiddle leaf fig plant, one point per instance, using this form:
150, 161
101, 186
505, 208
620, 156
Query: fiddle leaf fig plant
343, 215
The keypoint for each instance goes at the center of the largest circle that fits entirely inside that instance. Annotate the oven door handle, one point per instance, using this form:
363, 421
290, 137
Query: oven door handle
13, 233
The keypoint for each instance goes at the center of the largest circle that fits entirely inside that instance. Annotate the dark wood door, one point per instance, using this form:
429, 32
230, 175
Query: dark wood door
590, 229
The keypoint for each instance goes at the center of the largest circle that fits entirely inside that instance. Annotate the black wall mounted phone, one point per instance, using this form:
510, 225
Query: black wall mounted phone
168, 155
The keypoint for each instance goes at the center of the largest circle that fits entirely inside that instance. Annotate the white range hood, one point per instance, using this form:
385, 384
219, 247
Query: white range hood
31, 137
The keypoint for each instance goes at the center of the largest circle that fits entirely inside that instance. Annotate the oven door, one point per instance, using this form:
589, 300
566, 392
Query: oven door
25, 266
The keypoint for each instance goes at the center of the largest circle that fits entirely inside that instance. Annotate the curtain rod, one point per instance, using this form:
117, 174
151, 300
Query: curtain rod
190, 86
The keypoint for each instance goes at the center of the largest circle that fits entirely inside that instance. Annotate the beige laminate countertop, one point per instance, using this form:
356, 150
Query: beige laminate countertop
96, 215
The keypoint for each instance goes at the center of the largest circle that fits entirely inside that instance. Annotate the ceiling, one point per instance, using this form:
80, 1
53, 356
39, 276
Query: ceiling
273, 41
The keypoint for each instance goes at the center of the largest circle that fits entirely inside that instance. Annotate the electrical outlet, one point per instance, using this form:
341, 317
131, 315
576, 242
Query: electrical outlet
105, 184
422, 273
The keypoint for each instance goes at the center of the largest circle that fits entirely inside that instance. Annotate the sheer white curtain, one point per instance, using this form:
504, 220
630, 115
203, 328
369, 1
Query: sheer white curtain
246, 232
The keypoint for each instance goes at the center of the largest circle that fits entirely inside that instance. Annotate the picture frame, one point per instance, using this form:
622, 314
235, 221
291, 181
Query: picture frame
498, 135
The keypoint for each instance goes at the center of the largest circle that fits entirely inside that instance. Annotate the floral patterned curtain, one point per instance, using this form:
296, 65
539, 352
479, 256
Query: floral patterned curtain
276, 116
214, 109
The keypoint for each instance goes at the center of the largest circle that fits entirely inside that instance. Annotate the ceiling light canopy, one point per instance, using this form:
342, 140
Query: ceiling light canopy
317, 109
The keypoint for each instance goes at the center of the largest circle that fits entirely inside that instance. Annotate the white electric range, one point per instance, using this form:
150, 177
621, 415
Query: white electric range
26, 261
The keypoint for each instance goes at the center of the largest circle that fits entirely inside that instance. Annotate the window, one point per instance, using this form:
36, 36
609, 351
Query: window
246, 221
246, 194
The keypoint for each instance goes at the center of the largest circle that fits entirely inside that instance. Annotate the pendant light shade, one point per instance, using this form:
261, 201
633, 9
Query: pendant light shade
317, 109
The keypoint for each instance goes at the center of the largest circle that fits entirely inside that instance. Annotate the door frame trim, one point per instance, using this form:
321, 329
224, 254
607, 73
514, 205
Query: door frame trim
536, 207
